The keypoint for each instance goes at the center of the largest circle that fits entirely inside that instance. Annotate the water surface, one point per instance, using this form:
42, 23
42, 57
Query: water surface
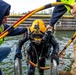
62, 37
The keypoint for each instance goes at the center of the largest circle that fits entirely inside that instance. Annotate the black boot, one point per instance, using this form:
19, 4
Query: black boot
31, 70
41, 73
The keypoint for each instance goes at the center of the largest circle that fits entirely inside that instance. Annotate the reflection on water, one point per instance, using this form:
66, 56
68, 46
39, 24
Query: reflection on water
62, 36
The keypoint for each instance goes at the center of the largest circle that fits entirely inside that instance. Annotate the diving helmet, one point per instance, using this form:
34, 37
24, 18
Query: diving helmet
37, 30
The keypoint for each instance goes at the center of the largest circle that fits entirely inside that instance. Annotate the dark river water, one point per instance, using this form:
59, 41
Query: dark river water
62, 37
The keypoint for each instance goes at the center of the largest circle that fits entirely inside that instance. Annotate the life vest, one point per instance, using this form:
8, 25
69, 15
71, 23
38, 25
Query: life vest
68, 2
1, 30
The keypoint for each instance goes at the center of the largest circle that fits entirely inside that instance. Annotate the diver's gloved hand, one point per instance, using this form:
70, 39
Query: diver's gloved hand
18, 54
55, 57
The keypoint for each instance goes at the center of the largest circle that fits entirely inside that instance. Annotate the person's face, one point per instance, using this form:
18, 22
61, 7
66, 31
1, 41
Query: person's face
4, 19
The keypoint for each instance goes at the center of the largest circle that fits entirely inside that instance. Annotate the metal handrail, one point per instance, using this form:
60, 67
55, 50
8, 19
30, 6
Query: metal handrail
53, 69
18, 67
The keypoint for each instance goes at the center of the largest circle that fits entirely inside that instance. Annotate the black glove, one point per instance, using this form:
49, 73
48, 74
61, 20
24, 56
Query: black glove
55, 57
18, 55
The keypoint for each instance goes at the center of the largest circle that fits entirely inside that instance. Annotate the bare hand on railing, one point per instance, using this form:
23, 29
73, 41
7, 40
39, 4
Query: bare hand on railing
49, 27
73, 10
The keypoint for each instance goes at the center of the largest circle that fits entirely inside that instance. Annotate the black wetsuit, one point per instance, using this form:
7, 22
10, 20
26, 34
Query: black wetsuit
38, 51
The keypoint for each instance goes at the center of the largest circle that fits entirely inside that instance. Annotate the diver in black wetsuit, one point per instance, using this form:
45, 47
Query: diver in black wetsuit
40, 39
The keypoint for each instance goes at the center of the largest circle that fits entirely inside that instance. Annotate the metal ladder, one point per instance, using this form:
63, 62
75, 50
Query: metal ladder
53, 69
